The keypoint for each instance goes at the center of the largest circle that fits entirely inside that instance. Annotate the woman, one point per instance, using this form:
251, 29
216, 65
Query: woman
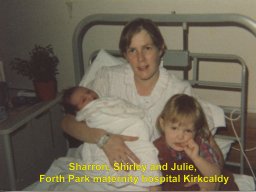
143, 82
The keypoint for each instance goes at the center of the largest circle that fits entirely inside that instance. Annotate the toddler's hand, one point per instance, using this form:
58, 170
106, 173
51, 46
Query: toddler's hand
192, 149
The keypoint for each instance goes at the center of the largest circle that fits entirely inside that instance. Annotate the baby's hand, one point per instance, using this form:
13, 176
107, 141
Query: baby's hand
191, 149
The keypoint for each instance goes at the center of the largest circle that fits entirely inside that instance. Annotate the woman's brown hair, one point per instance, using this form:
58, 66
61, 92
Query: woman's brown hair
137, 25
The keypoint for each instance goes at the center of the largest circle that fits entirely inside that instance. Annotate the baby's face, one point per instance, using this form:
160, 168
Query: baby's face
82, 96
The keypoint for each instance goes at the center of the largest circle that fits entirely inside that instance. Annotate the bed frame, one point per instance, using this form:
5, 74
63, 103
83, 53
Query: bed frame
187, 60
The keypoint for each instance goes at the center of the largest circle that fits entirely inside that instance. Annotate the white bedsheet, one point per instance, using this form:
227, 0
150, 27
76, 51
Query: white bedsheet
60, 167
244, 182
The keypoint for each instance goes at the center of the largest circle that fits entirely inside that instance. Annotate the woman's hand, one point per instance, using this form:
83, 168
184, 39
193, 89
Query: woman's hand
117, 151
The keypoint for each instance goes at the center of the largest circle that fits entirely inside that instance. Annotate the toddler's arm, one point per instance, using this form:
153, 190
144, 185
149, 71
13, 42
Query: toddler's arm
205, 167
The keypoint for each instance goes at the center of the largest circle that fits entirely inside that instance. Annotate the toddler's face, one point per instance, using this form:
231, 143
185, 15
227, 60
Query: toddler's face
82, 96
178, 134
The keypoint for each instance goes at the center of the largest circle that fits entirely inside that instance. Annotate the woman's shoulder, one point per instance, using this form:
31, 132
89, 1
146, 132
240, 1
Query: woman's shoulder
175, 78
173, 81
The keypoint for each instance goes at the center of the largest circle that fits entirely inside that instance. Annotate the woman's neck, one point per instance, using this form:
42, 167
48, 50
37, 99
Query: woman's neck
145, 87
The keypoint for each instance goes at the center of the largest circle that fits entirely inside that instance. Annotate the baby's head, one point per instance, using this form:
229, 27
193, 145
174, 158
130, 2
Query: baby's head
182, 119
75, 98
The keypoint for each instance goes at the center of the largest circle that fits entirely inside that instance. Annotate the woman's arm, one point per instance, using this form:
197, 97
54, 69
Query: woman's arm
80, 130
115, 149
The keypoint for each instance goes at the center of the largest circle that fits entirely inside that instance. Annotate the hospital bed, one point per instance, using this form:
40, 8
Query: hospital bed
183, 61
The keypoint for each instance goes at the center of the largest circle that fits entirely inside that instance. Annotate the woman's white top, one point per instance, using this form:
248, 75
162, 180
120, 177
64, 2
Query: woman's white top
118, 81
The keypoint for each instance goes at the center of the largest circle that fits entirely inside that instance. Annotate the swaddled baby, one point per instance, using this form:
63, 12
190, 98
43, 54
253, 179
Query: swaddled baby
116, 116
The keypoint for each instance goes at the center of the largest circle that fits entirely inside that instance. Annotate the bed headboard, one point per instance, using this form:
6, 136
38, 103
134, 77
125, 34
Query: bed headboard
183, 20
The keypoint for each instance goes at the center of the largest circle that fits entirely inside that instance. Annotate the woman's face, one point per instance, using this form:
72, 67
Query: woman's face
143, 56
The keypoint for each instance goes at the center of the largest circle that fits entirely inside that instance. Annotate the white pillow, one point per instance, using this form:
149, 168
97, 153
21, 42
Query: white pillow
224, 144
103, 59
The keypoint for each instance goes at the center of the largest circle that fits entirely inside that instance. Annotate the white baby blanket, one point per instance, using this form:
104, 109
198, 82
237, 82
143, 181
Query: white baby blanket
119, 117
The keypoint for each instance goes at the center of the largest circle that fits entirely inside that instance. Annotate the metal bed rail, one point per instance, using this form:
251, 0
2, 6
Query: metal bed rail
227, 86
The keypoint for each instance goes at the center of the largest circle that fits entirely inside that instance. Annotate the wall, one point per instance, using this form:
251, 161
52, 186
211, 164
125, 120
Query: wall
45, 22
